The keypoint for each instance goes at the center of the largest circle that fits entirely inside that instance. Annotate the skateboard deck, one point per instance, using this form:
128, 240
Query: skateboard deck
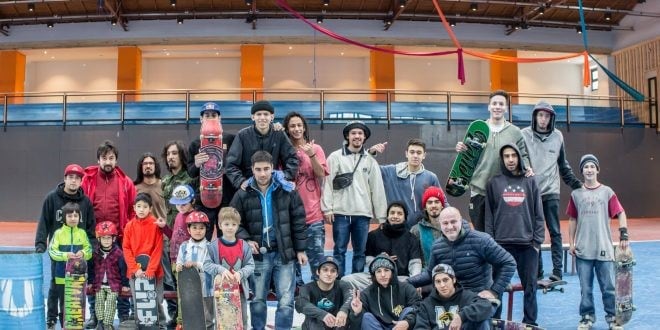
465, 163
74, 293
146, 304
549, 286
227, 299
210, 185
191, 299
623, 283
512, 325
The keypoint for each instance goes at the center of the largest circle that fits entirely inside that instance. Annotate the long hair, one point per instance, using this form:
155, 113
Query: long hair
183, 155
140, 176
288, 118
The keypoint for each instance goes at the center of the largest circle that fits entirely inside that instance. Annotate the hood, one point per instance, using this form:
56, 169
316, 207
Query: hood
383, 258
277, 180
521, 166
403, 172
94, 170
455, 297
76, 197
547, 107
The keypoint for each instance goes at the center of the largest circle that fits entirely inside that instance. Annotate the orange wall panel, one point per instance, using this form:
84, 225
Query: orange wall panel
129, 70
381, 72
504, 75
252, 69
12, 74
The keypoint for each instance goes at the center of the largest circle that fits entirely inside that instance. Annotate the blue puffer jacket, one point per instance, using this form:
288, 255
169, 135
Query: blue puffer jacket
471, 255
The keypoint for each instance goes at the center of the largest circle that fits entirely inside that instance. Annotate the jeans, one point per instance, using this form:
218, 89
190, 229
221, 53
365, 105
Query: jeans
355, 228
478, 212
370, 322
527, 265
604, 271
551, 215
283, 276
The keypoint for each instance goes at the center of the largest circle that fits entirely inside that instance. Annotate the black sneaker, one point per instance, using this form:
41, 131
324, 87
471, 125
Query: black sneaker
123, 318
50, 325
91, 323
555, 277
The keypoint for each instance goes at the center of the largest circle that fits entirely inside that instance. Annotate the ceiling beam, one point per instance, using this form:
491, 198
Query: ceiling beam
397, 8
561, 6
116, 12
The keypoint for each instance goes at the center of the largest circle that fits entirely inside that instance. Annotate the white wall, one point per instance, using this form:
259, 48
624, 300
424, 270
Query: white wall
71, 76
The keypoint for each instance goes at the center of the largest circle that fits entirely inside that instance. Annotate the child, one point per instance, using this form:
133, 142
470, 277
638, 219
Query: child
142, 236
590, 209
325, 302
68, 242
108, 276
192, 253
230, 257
451, 307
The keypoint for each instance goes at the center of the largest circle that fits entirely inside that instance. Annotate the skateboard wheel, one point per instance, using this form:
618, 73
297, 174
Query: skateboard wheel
545, 291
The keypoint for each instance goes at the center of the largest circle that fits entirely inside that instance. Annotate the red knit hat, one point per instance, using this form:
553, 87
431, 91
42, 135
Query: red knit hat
433, 192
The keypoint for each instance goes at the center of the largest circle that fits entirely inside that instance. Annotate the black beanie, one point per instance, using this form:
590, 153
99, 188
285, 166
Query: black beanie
262, 105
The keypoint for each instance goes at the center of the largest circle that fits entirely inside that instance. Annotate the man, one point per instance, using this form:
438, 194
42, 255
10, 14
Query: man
51, 219
427, 229
514, 218
210, 111
501, 133
393, 239
406, 181
260, 136
148, 181
473, 255
350, 205
174, 155
273, 224
545, 145
112, 193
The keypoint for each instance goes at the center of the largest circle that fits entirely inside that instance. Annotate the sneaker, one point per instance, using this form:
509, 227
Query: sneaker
614, 326
91, 323
555, 277
585, 323
50, 326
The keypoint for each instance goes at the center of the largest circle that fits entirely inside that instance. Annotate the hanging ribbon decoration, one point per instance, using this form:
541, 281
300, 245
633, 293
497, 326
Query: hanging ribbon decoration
622, 84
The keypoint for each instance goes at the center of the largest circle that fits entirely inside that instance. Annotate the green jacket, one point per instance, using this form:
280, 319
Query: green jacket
65, 240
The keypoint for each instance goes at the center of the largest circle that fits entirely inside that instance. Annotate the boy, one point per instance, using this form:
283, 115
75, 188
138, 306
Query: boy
192, 253
385, 304
68, 242
326, 301
108, 276
590, 209
230, 257
142, 236
451, 307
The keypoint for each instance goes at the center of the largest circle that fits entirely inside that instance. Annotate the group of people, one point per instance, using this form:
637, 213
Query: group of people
280, 190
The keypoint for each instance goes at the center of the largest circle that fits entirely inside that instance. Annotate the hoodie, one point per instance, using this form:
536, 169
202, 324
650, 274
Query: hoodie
125, 191
514, 212
386, 303
547, 153
467, 304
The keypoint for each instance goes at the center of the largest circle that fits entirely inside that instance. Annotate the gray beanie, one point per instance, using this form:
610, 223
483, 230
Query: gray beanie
381, 261
589, 158
443, 269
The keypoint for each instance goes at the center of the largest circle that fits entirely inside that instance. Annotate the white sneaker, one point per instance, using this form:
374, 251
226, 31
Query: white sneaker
585, 323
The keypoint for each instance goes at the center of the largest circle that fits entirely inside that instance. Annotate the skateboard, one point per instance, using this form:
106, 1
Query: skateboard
74, 293
512, 325
144, 296
461, 171
227, 297
549, 286
191, 299
210, 186
623, 263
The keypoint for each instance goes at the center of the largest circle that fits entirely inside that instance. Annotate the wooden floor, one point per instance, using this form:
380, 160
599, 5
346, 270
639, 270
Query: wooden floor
645, 229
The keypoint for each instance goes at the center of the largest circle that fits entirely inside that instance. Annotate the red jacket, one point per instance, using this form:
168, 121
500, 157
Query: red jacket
126, 193
142, 236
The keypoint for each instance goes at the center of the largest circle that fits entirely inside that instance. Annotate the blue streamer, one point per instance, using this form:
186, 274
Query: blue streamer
622, 84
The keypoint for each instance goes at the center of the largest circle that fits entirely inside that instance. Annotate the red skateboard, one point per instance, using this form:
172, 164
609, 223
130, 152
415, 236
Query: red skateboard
210, 183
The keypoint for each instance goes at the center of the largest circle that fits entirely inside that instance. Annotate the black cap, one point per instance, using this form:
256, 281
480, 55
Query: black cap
262, 105
328, 260
357, 124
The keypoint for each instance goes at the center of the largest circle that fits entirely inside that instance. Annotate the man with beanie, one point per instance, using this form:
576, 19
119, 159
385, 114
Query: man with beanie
449, 306
394, 240
514, 218
427, 229
590, 210
385, 304
501, 133
260, 136
51, 219
545, 145
480, 264
351, 203
210, 111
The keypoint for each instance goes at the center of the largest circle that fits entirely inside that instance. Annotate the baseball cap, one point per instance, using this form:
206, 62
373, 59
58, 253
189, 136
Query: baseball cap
329, 260
209, 106
74, 169
182, 194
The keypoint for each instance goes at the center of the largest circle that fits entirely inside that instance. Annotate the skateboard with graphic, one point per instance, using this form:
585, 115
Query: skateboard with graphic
74, 293
549, 286
466, 162
227, 298
191, 298
210, 184
624, 261
144, 297
512, 325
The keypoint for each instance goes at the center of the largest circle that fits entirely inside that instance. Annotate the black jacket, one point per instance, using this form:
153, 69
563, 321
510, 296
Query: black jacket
248, 141
228, 189
473, 256
402, 244
51, 216
288, 214
469, 306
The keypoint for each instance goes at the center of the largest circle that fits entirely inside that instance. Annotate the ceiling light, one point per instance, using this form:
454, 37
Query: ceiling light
516, 26
388, 21
474, 6
608, 16
326, 2
113, 21
30, 7
179, 20
248, 2
578, 29
319, 19
541, 10
50, 25
173, 3
452, 22
402, 3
